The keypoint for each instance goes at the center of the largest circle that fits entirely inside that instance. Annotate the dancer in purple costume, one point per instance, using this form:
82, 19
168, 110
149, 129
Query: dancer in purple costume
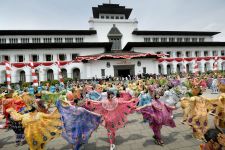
158, 114
78, 124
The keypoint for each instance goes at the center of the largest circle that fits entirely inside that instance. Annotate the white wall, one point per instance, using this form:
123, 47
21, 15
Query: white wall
103, 26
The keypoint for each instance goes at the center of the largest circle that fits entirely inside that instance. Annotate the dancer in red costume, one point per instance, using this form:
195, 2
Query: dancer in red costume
114, 112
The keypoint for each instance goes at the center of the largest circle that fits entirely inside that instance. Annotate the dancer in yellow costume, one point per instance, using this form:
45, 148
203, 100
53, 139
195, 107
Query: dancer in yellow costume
39, 128
219, 119
199, 107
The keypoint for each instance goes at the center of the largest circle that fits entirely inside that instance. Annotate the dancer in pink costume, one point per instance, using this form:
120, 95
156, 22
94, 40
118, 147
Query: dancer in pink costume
114, 112
158, 114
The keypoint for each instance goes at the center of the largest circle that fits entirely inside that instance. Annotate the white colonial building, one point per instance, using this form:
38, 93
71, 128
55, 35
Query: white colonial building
112, 46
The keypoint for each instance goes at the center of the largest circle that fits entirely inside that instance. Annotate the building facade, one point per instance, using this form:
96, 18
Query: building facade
101, 49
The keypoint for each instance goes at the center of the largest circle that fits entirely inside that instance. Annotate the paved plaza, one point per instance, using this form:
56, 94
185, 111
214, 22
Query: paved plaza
135, 136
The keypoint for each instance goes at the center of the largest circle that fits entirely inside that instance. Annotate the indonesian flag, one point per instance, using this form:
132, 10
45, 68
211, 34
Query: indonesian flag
59, 72
34, 76
184, 68
8, 74
215, 64
196, 67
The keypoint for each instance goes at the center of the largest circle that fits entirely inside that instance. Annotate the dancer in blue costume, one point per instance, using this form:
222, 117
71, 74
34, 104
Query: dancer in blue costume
144, 98
94, 95
78, 123
31, 90
52, 89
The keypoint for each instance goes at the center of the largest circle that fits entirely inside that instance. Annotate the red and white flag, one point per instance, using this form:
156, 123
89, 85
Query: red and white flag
196, 67
34, 76
59, 72
8, 74
215, 64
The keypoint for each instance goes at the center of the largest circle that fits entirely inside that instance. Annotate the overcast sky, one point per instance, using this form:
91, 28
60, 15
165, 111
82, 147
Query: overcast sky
192, 15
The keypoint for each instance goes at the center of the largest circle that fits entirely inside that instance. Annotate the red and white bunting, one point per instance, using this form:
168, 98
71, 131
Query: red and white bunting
34, 76
60, 73
215, 64
8, 74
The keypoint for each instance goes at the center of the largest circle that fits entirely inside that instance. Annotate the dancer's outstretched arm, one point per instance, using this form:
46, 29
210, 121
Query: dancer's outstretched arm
139, 108
16, 116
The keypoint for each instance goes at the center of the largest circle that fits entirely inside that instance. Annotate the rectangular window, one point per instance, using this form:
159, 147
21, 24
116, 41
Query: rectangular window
201, 39
116, 43
197, 53
25, 40
188, 54
62, 57
36, 40
179, 40
121, 17
103, 72
144, 70
34, 58
206, 53
158, 52
223, 53
79, 40
194, 39
155, 39
74, 56
186, 39
107, 17
47, 40
179, 54
69, 40
215, 53
163, 39
112, 17
117, 17
20, 58
5, 58
2, 41
58, 40
171, 39
102, 17
13, 40
48, 57
147, 39
168, 53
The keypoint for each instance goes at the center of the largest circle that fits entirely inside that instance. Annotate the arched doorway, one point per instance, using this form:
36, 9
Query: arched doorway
223, 66
50, 75
169, 69
188, 68
160, 69
206, 66
22, 76
179, 68
64, 73
76, 74
37, 74
3, 76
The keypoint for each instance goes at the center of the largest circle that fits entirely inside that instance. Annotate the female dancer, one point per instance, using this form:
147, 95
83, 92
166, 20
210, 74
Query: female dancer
39, 128
78, 123
158, 114
114, 112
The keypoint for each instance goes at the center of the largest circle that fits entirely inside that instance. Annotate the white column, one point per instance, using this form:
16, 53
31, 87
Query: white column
201, 66
42, 74
174, 67
28, 74
164, 68
14, 76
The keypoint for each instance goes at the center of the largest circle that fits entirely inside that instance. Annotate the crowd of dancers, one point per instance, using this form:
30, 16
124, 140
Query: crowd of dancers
39, 114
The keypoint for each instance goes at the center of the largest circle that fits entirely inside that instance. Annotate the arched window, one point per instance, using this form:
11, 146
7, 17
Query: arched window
64, 73
76, 74
50, 75
22, 76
